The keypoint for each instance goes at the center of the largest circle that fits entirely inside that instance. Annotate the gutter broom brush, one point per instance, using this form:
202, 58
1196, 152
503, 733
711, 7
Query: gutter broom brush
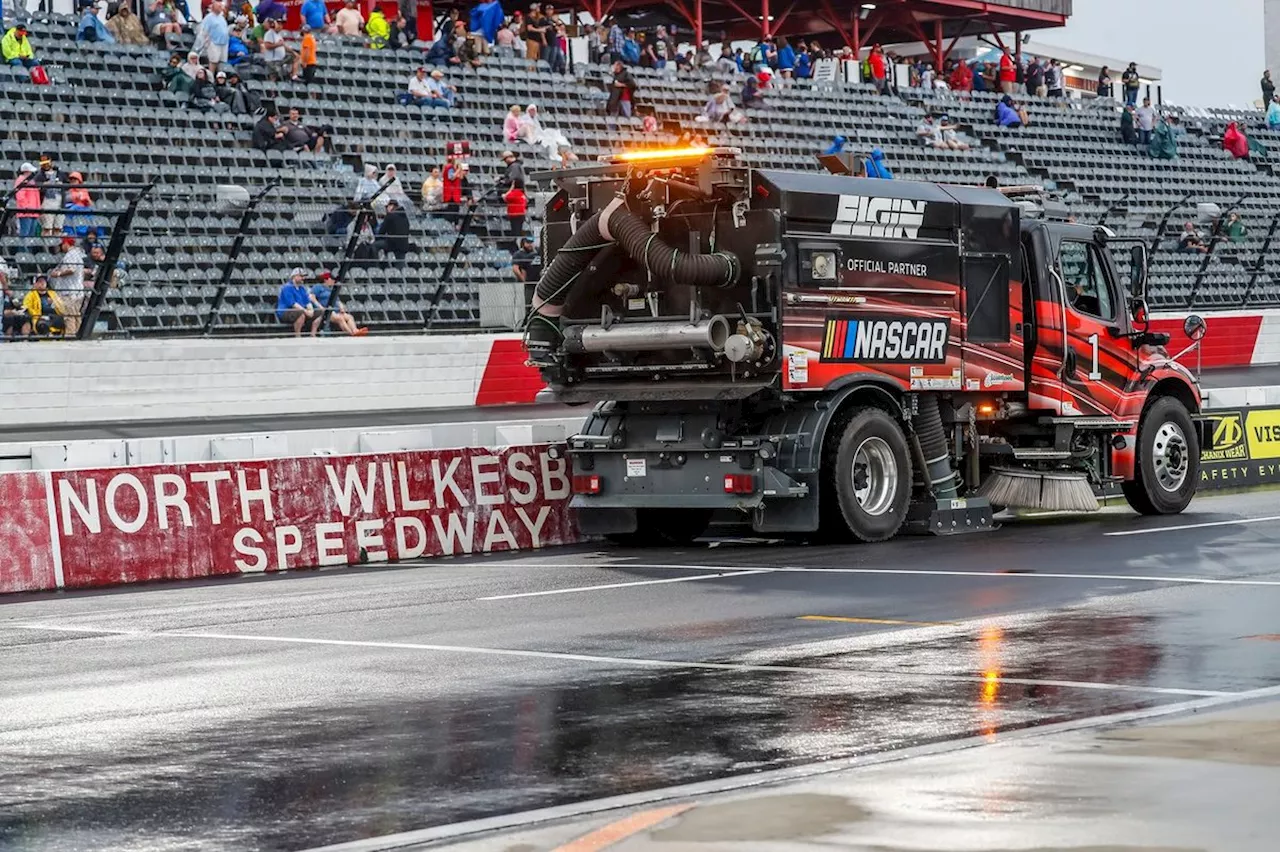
1056, 491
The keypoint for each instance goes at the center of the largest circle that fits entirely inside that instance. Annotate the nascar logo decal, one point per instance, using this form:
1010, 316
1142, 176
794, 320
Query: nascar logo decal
863, 216
885, 340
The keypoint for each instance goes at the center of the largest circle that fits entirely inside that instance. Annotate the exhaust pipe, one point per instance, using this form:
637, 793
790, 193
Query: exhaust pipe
648, 336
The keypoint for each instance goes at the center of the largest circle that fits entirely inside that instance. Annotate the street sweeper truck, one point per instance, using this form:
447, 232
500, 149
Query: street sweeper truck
851, 358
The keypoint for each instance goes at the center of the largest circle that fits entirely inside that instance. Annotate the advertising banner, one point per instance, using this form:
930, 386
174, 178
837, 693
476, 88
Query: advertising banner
1247, 449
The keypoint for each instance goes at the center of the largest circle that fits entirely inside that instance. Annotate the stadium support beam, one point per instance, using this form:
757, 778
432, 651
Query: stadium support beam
697, 27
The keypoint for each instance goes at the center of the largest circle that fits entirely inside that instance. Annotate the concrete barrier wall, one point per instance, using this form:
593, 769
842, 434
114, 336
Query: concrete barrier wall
96, 381
101, 527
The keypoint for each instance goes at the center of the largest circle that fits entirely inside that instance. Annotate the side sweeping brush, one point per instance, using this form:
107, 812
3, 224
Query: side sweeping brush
1057, 491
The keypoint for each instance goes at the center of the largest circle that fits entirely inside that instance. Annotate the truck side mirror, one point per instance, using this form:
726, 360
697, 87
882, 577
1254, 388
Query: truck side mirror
1138, 270
1195, 327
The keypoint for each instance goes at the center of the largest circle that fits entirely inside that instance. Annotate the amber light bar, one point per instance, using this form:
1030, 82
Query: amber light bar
652, 154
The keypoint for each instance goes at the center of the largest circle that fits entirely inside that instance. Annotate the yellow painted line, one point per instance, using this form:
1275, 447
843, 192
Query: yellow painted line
850, 620
615, 832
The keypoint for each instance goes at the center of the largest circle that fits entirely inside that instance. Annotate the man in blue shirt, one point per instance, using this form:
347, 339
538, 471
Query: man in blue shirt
313, 12
214, 36
294, 305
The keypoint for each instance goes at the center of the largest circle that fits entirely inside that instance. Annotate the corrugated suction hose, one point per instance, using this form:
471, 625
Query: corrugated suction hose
933, 441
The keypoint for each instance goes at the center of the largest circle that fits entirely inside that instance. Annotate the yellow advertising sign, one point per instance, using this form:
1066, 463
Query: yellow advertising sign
1228, 439
1262, 431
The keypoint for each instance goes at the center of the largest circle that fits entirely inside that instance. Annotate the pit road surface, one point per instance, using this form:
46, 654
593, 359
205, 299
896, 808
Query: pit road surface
284, 712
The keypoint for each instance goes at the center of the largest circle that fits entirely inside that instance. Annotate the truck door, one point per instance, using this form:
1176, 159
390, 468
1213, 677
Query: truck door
1098, 359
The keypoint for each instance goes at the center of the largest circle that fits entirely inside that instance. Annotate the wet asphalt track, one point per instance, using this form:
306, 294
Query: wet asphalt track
294, 711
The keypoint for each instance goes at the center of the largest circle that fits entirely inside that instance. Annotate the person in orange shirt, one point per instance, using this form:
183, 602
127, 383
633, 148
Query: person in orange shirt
304, 65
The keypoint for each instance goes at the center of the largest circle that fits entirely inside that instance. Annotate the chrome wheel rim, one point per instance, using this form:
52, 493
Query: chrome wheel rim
875, 476
1171, 456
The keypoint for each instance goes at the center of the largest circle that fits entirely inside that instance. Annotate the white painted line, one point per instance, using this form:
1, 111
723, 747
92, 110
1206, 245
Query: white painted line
788, 775
620, 585
942, 572
55, 538
1205, 525
637, 662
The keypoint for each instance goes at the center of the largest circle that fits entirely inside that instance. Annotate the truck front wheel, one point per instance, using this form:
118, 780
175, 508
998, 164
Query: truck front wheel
1167, 468
872, 475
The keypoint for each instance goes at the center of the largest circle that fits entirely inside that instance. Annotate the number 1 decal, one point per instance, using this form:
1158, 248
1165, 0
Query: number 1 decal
1095, 374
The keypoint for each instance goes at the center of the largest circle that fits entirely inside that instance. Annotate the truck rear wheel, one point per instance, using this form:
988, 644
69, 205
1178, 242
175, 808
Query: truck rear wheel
658, 527
872, 475
1167, 468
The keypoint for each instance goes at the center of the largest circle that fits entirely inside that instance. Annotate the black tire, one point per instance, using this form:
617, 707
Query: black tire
664, 527
1156, 488
883, 508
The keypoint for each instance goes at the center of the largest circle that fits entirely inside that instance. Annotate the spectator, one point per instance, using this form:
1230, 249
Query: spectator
349, 20
1273, 114
97, 259
174, 77
879, 67
836, 146
268, 135
70, 275
525, 263
876, 166
1132, 82
44, 309
192, 65
274, 53
432, 189
402, 35
1234, 230
1008, 72
204, 95
517, 208
368, 184
91, 28
393, 230
930, 133
26, 197
238, 95
238, 51
536, 26
804, 63
126, 27
1034, 77
786, 57
928, 77
304, 66
513, 174
49, 180
165, 22
631, 48
962, 78
718, 108
1055, 79
1009, 114
394, 189
339, 318
617, 40
17, 323
454, 187
294, 304
79, 200
486, 19
557, 50
1163, 146
1268, 88
752, 97
1104, 82
417, 92
304, 137
1128, 126
314, 14
1235, 142
432, 91
214, 36
511, 124
1146, 118
1191, 242
270, 10
622, 90
506, 41
378, 29
16, 49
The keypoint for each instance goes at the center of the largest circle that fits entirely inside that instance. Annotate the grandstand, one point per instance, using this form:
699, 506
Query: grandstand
107, 115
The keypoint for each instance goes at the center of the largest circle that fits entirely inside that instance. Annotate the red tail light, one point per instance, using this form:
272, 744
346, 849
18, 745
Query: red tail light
586, 484
739, 483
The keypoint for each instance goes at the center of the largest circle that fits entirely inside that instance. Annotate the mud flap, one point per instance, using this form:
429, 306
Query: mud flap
605, 521
950, 517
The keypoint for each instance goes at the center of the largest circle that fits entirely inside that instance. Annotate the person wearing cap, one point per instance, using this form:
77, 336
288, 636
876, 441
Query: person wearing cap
274, 53
49, 179
526, 266
16, 48
513, 175
214, 35
126, 27
294, 306
441, 92
268, 135
393, 232
242, 99
349, 20
418, 92
26, 197
44, 308
304, 66
91, 28
378, 29
164, 21
339, 318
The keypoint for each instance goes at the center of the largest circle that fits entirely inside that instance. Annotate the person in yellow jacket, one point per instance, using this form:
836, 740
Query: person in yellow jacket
379, 29
15, 47
45, 308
